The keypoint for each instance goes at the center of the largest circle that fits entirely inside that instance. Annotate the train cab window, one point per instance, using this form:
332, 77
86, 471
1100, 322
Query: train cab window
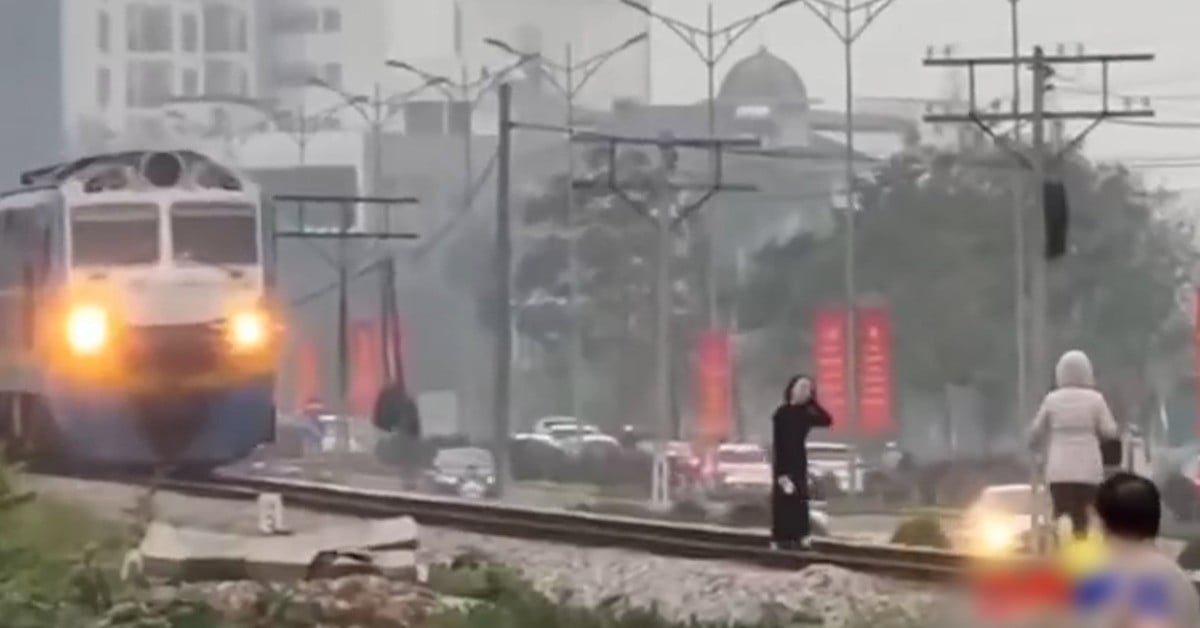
115, 235
215, 233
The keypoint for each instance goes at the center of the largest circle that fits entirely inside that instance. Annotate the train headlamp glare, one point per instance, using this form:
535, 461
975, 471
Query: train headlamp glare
248, 330
87, 329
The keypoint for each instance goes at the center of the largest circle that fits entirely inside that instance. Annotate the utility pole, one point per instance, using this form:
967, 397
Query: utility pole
503, 279
342, 236
575, 76
1021, 313
666, 212
374, 110
1042, 166
848, 34
471, 93
710, 44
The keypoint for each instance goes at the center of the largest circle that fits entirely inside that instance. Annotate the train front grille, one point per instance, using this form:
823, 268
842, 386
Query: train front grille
175, 350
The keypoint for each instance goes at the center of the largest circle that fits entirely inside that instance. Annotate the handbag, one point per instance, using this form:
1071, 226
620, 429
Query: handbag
1111, 451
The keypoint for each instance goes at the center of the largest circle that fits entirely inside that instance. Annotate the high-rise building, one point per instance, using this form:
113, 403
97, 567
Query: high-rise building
124, 59
31, 73
341, 43
447, 37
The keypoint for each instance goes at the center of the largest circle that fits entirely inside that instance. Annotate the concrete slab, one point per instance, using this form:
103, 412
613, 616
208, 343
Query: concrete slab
386, 546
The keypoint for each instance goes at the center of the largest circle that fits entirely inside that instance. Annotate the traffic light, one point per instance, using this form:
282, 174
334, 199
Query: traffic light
1056, 214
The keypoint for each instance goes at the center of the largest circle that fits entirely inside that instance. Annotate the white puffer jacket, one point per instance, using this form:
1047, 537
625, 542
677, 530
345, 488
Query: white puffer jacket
1071, 421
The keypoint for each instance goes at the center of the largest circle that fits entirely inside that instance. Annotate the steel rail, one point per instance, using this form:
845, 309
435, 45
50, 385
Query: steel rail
684, 540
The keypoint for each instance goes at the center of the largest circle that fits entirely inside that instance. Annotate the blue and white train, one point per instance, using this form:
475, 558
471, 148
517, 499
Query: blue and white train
138, 325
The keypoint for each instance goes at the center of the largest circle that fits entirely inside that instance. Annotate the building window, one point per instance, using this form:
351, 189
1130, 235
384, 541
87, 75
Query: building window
190, 82
332, 74
190, 33
103, 87
331, 21
149, 83
148, 27
103, 27
224, 78
296, 20
225, 28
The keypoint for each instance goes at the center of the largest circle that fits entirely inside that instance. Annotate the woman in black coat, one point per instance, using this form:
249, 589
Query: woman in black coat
791, 423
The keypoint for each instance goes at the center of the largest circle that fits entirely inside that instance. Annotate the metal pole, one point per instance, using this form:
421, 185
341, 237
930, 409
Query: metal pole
575, 356
710, 280
1024, 411
503, 355
851, 252
343, 323
662, 350
377, 157
1039, 331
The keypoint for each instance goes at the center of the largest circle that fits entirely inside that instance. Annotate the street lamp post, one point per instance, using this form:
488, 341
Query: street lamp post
704, 43
848, 34
374, 111
300, 135
575, 75
471, 92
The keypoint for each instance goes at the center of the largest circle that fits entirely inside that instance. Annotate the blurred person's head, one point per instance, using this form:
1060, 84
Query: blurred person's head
1129, 506
1074, 370
800, 389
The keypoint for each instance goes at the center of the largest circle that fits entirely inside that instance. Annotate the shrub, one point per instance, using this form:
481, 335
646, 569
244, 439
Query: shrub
1189, 558
923, 531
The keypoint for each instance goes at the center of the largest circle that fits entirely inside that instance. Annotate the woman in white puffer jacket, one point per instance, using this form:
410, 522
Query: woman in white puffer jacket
1071, 422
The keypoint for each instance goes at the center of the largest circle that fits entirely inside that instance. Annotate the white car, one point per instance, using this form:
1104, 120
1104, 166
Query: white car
838, 460
740, 470
546, 425
1000, 519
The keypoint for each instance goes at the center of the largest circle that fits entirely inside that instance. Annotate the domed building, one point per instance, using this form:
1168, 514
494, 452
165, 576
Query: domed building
763, 79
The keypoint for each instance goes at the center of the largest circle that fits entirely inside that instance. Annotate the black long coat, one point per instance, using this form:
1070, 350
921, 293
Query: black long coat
791, 424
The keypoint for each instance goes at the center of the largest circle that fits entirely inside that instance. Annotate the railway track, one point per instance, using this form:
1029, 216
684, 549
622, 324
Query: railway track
683, 540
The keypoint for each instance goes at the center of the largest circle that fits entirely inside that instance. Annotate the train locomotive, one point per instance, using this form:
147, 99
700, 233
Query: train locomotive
138, 321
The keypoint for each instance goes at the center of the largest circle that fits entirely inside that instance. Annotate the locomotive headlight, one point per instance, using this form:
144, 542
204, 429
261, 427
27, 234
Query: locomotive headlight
248, 330
88, 329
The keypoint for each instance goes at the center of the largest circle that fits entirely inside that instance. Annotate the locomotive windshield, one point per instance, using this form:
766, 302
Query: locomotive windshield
215, 233
114, 235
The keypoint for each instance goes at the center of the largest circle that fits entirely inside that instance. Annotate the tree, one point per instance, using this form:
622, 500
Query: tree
616, 249
935, 241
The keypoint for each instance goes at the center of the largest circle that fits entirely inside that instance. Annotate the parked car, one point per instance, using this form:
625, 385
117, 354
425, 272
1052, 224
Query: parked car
536, 457
546, 425
464, 471
838, 467
739, 471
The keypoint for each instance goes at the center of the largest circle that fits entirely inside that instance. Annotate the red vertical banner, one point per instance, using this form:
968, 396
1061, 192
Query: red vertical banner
875, 409
713, 385
366, 342
308, 374
829, 356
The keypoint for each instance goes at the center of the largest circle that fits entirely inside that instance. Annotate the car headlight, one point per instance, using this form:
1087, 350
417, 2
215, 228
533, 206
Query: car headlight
994, 536
88, 329
248, 330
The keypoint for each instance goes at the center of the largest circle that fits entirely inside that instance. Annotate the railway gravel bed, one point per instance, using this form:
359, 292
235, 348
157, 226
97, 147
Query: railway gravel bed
680, 588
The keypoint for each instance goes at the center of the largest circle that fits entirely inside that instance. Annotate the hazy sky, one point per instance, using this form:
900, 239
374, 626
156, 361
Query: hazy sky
889, 53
